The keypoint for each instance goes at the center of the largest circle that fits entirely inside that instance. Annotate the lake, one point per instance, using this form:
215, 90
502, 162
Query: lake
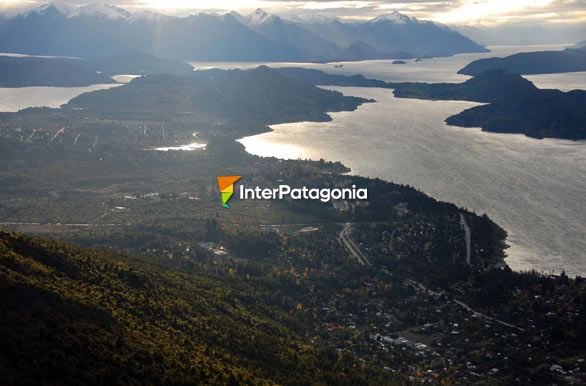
535, 189
428, 70
14, 99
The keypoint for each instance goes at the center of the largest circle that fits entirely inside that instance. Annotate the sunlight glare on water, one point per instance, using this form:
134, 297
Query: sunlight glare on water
535, 189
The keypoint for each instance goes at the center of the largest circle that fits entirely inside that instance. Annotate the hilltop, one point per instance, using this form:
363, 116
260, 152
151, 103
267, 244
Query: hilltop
260, 95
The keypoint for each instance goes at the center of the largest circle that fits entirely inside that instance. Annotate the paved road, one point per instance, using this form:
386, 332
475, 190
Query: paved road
484, 316
59, 224
420, 286
346, 241
468, 236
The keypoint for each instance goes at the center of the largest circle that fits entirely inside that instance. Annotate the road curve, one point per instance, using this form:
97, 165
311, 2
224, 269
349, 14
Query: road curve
468, 236
347, 242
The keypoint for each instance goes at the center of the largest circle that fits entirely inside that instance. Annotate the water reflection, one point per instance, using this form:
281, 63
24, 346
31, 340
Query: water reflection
535, 189
188, 147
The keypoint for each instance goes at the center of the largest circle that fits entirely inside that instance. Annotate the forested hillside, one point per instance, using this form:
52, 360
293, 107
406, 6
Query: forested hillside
75, 316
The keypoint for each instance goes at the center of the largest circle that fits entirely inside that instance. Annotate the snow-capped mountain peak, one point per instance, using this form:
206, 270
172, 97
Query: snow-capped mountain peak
313, 19
63, 9
148, 16
393, 17
238, 17
56, 8
102, 11
258, 17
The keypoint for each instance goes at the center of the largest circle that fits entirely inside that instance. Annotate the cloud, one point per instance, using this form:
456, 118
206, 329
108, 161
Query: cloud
448, 11
490, 11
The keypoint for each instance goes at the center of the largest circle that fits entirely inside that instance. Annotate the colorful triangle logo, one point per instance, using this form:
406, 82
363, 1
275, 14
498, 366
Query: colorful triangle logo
226, 185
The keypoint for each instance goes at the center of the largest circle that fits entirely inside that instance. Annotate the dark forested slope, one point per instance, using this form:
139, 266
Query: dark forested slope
74, 316
527, 63
260, 95
32, 71
515, 105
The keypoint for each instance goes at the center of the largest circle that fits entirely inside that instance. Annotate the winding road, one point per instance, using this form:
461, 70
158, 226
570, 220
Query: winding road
419, 286
347, 242
468, 236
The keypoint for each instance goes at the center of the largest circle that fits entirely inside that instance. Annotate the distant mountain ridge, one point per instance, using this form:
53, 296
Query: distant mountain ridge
107, 30
395, 35
529, 63
69, 72
289, 34
40, 72
137, 63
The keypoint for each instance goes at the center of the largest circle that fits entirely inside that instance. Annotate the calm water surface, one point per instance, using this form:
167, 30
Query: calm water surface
535, 189
14, 99
429, 70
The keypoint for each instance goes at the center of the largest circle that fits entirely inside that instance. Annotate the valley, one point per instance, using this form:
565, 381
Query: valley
388, 299
143, 240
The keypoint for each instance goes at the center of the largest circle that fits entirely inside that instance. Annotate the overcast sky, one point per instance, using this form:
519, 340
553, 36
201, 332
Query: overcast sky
452, 12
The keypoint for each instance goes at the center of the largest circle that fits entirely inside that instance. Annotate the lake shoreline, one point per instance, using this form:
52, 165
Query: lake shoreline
289, 141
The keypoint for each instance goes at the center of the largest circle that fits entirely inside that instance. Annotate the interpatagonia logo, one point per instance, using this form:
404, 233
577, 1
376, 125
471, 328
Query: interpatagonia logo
226, 185
303, 193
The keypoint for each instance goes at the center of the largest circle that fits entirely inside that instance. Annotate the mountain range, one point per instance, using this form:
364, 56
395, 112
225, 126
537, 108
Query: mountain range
105, 30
